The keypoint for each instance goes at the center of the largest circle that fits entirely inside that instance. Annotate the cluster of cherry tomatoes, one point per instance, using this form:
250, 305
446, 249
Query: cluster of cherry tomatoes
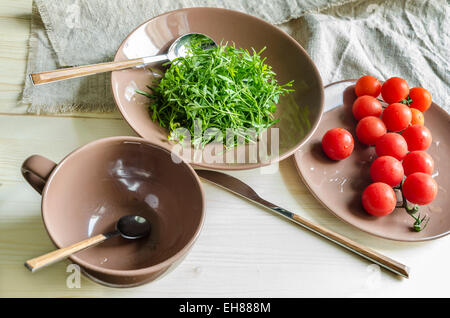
400, 139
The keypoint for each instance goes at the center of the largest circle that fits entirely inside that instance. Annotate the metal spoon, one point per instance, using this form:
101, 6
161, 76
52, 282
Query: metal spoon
177, 49
131, 227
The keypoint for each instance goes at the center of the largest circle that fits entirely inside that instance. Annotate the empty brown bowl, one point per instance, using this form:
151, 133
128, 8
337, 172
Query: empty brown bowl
90, 189
299, 112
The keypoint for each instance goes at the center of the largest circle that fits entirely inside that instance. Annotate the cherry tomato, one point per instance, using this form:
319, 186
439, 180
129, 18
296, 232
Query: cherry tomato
397, 117
394, 90
337, 143
369, 129
391, 144
388, 170
368, 85
417, 137
365, 106
379, 199
417, 117
418, 161
420, 188
421, 98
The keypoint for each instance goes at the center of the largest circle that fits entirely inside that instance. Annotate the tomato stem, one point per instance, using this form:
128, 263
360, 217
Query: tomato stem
406, 101
419, 224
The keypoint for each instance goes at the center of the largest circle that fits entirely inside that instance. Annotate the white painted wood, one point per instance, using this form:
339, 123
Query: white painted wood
242, 251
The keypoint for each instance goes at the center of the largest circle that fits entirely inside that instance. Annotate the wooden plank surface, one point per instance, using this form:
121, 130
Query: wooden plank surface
14, 33
242, 251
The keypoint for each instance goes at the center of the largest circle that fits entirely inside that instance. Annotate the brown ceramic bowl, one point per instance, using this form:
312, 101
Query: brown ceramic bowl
338, 185
90, 189
299, 113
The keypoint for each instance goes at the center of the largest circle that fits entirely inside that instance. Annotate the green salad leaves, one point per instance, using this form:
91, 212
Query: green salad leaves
222, 87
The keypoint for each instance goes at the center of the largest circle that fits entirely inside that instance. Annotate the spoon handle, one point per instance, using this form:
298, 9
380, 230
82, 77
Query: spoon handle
79, 71
55, 256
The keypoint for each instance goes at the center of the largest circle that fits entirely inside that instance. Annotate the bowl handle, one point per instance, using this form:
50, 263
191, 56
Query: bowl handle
36, 170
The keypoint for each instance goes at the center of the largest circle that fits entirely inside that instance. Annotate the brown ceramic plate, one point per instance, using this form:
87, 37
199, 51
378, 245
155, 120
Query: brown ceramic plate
289, 60
338, 185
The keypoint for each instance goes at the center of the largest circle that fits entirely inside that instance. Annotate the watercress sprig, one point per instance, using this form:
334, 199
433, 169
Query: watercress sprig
223, 87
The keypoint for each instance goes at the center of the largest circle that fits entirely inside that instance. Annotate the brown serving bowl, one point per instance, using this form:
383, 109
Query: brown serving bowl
90, 189
299, 112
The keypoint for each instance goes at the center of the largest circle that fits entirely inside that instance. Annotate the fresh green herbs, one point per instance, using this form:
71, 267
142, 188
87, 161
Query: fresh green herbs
216, 88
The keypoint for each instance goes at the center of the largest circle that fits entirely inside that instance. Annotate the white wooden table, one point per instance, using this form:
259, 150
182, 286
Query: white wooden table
243, 251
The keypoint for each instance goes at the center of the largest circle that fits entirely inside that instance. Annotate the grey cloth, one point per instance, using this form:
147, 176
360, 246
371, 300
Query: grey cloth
345, 38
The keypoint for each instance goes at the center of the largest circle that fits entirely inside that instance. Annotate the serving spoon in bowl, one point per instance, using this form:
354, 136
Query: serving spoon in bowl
179, 48
131, 227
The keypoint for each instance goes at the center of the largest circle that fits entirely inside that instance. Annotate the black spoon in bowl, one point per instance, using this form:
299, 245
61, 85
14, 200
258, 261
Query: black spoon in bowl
131, 227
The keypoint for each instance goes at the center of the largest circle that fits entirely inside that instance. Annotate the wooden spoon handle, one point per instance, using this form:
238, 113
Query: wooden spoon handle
79, 71
341, 240
55, 256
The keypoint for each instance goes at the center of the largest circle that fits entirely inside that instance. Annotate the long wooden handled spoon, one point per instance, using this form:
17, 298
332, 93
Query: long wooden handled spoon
130, 227
179, 48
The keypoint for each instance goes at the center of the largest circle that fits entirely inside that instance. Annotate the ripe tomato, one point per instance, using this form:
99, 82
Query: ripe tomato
418, 161
420, 188
368, 85
365, 106
337, 143
417, 117
421, 98
397, 117
417, 137
379, 199
388, 170
369, 129
391, 144
394, 90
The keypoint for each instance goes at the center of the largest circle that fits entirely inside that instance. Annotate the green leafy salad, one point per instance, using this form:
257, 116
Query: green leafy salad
221, 87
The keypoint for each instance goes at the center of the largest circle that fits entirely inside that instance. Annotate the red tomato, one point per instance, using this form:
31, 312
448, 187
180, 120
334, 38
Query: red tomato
365, 106
387, 169
337, 143
421, 98
397, 117
417, 117
394, 90
391, 144
379, 199
368, 85
418, 161
369, 129
420, 188
418, 137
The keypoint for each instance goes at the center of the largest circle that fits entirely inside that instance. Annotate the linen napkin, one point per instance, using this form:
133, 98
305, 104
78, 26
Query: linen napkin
345, 38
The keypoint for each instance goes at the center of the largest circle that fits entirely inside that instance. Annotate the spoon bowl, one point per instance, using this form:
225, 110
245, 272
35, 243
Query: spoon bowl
133, 227
179, 47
